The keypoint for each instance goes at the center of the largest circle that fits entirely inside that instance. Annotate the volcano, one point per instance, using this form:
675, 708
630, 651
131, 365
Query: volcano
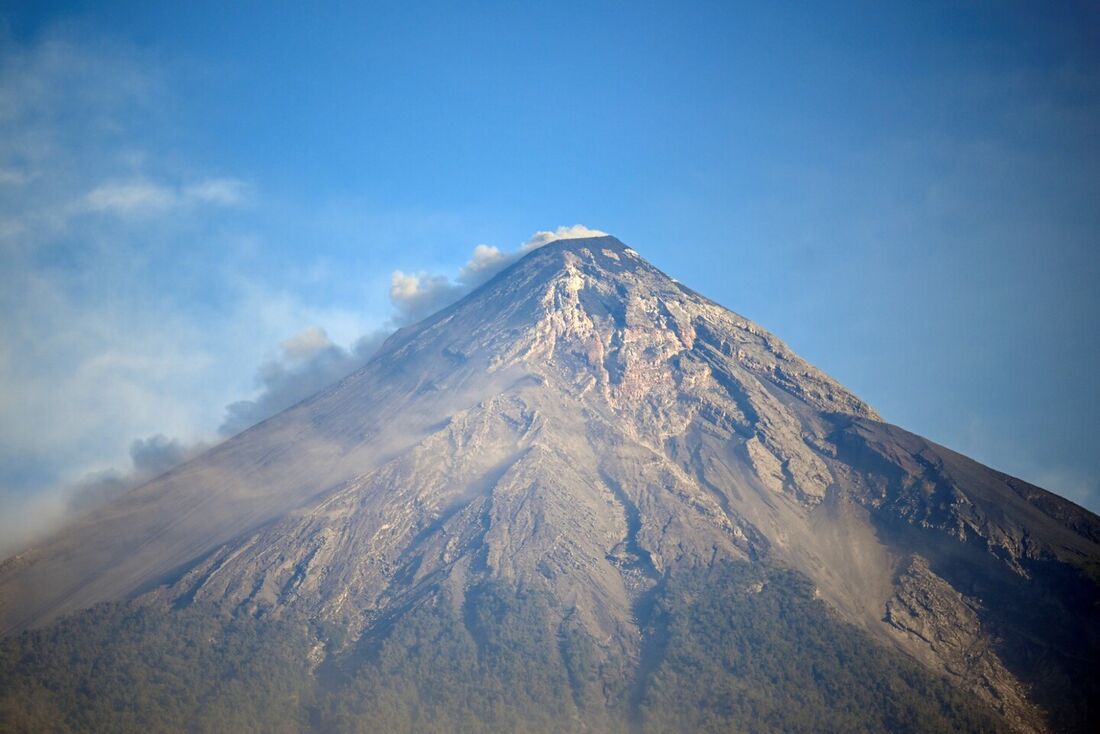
583, 498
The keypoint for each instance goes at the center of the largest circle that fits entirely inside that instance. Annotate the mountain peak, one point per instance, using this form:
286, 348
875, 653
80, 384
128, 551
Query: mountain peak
583, 429
604, 240
597, 244
601, 250
593, 311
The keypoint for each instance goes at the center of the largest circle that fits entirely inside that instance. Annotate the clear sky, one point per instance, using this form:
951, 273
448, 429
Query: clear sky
203, 204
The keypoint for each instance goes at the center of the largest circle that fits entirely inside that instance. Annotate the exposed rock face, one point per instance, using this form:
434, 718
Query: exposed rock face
584, 425
927, 610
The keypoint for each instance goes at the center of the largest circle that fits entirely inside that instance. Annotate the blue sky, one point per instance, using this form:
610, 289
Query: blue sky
190, 193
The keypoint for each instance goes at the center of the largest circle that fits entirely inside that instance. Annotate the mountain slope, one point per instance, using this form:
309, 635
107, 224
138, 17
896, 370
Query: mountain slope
584, 429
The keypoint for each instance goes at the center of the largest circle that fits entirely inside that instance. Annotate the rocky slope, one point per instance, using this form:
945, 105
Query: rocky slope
585, 427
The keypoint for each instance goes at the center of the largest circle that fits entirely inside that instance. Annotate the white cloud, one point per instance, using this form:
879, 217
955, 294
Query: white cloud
485, 262
220, 191
545, 237
146, 198
306, 343
132, 197
417, 295
309, 363
12, 177
404, 285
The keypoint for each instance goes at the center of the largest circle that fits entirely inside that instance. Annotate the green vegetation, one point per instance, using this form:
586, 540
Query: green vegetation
733, 648
745, 649
497, 663
142, 668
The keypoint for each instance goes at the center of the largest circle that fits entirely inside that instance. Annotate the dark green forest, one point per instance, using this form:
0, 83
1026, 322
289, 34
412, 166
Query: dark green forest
733, 648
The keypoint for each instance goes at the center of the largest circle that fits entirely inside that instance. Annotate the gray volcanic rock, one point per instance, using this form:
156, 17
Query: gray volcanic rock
585, 426
928, 610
